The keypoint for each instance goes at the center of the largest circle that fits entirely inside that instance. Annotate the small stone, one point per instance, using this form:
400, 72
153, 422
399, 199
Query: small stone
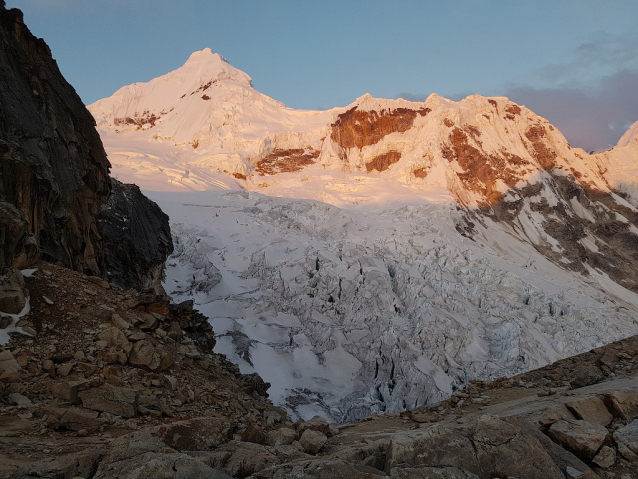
19, 399
64, 369
169, 382
47, 301
79, 355
118, 322
98, 281
29, 330
48, 366
573, 473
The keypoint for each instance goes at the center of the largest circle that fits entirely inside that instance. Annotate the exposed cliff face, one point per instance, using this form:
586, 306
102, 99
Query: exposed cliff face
54, 177
53, 169
359, 128
136, 238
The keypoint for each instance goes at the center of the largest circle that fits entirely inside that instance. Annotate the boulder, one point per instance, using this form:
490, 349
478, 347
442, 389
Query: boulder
255, 435
111, 399
627, 440
74, 419
81, 464
19, 399
281, 436
195, 434
624, 403
114, 337
12, 292
118, 322
68, 390
605, 458
325, 469
585, 375
317, 423
146, 356
491, 446
161, 465
8, 363
312, 441
580, 437
591, 409
431, 473
247, 459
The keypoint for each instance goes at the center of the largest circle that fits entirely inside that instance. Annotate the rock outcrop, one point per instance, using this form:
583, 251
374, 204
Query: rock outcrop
136, 238
57, 201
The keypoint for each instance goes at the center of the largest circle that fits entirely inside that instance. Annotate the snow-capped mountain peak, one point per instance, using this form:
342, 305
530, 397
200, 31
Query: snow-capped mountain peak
212, 66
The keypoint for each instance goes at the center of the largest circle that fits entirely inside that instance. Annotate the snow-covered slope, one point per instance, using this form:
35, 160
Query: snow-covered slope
421, 243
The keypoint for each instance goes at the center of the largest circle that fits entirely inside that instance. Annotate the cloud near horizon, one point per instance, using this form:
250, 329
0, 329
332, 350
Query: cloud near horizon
592, 99
590, 118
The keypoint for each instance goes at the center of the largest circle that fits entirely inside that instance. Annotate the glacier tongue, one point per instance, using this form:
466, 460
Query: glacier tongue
377, 309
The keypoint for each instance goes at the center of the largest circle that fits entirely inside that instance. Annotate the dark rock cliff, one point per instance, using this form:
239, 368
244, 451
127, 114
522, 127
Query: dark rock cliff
136, 237
54, 177
53, 168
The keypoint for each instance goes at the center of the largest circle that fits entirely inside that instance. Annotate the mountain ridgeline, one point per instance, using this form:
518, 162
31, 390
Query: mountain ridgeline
492, 157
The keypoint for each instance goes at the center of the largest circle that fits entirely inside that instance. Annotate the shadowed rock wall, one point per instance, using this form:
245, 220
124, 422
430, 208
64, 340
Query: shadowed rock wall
54, 177
53, 168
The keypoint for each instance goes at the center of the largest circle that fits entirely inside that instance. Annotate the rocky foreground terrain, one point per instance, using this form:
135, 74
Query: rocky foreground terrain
103, 383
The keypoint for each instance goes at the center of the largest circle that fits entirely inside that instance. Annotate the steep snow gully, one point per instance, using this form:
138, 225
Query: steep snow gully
375, 257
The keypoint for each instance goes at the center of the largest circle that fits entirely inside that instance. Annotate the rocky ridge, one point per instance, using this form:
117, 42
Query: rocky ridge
121, 384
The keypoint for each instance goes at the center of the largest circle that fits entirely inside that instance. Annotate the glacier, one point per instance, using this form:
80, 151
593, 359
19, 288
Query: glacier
347, 312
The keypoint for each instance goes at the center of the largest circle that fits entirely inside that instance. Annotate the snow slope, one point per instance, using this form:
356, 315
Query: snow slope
376, 256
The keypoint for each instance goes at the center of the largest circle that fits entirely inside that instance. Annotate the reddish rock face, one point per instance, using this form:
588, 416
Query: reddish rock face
383, 162
138, 121
511, 111
286, 161
541, 153
482, 171
363, 128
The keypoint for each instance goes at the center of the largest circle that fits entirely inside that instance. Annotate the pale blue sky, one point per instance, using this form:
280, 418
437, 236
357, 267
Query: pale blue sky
572, 61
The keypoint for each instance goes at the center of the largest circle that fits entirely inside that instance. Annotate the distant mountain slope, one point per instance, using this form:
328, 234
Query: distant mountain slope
466, 239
